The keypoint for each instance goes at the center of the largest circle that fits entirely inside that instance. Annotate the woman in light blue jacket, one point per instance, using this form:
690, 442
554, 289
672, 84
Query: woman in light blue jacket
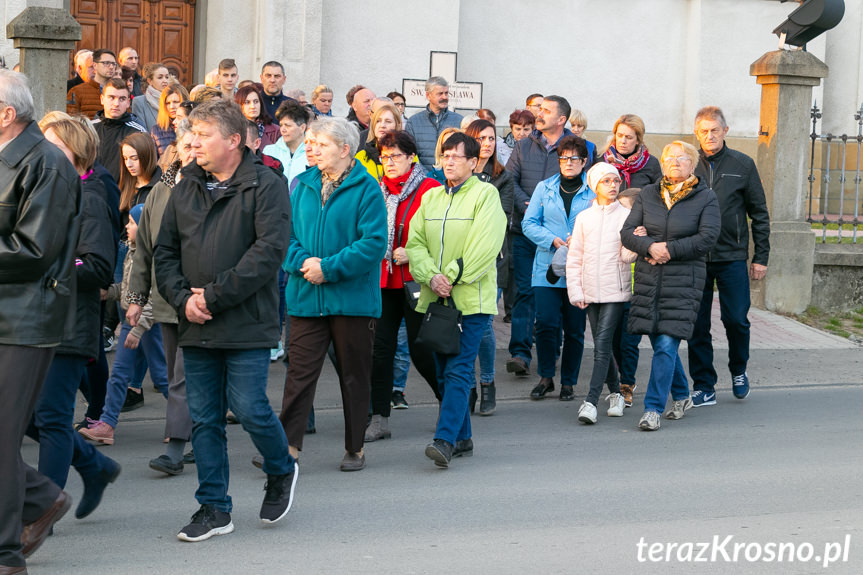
548, 222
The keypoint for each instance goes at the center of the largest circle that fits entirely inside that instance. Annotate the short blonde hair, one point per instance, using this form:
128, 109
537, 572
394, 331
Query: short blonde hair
391, 108
446, 133
688, 149
634, 122
78, 135
321, 89
578, 118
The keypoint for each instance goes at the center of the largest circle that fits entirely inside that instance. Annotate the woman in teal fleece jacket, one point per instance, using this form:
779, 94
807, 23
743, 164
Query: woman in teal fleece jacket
338, 239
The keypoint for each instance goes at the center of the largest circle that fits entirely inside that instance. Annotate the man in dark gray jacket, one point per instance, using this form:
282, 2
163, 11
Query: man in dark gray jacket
734, 178
224, 235
533, 159
40, 195
426, 125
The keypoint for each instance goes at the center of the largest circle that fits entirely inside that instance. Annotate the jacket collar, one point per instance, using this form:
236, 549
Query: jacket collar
244, 176
15, 151
715, 157
312, 177
100, 115
538, 137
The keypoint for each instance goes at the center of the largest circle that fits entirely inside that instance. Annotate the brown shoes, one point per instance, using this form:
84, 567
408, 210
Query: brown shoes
34, 534
353, 461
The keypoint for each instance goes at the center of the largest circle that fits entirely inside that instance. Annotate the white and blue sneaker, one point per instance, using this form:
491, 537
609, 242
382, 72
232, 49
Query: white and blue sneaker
703, 398
740, 385
277, 352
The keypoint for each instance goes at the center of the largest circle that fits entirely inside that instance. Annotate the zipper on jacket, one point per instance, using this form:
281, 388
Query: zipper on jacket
442, 229
599, 254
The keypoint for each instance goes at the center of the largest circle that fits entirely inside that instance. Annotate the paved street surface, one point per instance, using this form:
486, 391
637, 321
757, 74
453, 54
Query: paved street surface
542, 494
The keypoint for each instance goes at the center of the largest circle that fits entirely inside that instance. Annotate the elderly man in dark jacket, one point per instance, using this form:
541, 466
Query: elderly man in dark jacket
40, 193
672, 227
426, 125
224, 235
734, 178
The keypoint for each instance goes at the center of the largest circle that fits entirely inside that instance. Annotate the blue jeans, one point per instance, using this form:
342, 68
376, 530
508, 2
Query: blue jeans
732, 282
455, 379
626, 349
552, 310
487, 348
51, 424
402, 359
666, 374
124, 363
222, 379
523, 309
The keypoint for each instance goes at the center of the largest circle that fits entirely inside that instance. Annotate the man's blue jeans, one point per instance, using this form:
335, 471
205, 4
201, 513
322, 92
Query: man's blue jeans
666, 374
222, 379
455, 379
732, 282
523, 309
554, 311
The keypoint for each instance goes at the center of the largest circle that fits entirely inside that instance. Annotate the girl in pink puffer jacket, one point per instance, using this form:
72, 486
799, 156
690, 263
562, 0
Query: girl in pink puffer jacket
598, 278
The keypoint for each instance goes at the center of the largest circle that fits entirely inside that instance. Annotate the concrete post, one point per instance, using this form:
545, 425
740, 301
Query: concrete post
45, 36
787, 78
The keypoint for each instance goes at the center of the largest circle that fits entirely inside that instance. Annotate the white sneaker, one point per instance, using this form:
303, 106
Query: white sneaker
615, 405
587, 413
678, 408
649, 421
277, 353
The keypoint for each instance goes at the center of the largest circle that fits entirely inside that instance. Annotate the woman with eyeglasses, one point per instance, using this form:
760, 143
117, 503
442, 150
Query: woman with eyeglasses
626, 152
147, 108
384, 120
403, 185
399, 102
672, 227
490, 169
548, 222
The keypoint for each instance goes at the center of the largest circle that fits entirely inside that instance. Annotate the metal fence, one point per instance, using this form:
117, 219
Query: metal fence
835, 164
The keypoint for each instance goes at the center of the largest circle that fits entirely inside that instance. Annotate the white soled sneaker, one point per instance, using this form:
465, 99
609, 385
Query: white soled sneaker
616, 405
587, 413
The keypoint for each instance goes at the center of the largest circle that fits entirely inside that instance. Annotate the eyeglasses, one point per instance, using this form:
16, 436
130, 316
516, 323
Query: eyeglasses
392, 158
570, 159
609, 181
447, 158
677, 159
400, 104
107, 63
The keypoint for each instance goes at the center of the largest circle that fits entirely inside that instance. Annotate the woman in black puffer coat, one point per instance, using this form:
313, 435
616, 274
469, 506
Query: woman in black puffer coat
673, 225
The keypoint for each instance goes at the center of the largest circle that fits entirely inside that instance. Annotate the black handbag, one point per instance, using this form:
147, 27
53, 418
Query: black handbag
441, 327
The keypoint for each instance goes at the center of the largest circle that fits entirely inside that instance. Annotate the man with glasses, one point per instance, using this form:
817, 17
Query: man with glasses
533, 160
425, 126
734, 178
533, 103
86, 98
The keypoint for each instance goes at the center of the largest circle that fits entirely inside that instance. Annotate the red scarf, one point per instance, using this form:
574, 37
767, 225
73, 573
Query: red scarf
394, 186
627, 166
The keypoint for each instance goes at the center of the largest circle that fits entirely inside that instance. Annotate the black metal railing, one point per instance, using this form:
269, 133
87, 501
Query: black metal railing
833, 197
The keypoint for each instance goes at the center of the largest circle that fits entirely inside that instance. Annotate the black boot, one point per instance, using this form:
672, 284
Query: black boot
488, 403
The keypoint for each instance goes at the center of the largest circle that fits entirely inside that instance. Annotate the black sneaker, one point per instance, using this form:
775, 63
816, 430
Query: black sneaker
206, 522
109, 340
280, 495
164, 464
189, 457
133, 401
463, 448
439, 451
398, 400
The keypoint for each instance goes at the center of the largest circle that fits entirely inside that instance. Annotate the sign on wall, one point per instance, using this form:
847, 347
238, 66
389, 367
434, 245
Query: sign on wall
462, 95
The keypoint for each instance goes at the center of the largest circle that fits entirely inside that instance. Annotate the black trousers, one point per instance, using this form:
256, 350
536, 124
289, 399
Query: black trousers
25, 494
394, 307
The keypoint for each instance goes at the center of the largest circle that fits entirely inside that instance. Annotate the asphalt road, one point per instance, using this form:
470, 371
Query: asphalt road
542, 494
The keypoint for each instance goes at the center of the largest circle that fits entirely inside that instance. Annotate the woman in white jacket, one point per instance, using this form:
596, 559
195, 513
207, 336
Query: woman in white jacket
598, 278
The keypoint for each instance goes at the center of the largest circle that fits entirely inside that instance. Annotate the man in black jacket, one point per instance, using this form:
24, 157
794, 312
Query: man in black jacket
113, 124
224, 235
40, 193
734, 178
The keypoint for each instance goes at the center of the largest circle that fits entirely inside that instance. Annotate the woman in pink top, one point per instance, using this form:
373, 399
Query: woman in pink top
598, 279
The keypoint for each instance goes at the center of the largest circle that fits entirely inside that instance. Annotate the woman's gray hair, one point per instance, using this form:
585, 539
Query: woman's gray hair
339, 130
183, 128
15, 92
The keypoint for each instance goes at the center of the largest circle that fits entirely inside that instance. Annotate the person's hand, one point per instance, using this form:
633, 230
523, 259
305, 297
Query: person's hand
133, 314
103, 294
659, 252
400, 256
194, 311
132, 341
201, 301
650, 260
440, 285
757, 271
558, 243
640, 231
581, 304
312, 271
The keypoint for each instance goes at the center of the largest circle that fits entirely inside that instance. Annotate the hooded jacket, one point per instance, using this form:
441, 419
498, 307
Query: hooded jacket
458, 232
230, 244
666, 296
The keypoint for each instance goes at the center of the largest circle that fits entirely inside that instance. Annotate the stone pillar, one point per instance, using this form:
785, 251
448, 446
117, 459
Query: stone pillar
45, 36
787, 78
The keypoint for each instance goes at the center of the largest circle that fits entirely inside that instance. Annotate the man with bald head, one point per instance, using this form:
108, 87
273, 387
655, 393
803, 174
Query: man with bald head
128, 59
83, 69
361, 106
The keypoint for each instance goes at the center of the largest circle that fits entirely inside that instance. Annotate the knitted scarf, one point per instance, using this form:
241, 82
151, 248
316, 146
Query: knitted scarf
328, 185
627, 166
395, 192
153, 96
673, 193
